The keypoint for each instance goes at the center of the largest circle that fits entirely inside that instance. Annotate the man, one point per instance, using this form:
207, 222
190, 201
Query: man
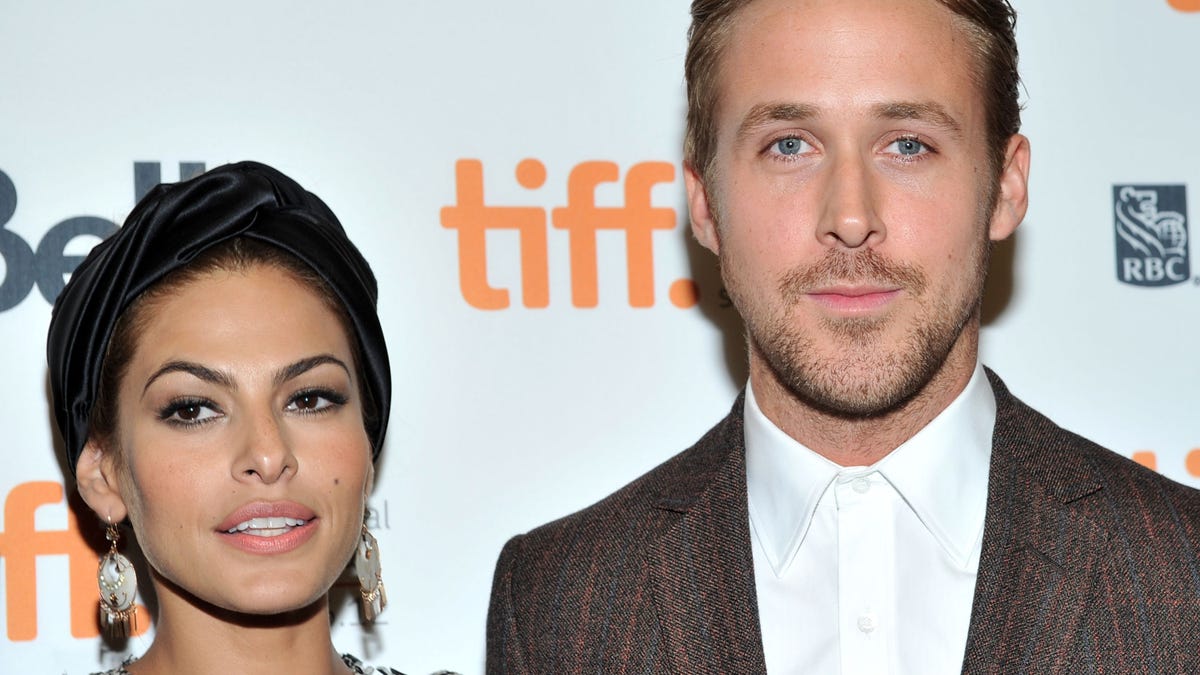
875, 502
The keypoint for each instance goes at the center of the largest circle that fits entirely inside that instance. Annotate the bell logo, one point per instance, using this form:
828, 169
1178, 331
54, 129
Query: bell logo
1185, 5
20, 546
581, 218
46, 263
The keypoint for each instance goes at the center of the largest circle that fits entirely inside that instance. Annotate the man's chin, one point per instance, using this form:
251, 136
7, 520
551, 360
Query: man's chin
851, 387
855, 405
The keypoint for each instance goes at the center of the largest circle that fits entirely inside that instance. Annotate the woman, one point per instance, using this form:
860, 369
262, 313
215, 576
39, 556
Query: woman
221, 382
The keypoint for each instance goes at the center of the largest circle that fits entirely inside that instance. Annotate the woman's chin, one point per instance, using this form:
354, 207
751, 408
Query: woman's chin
253, 601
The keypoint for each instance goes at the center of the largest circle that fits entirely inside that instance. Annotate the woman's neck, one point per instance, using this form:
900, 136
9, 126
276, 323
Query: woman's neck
192, 638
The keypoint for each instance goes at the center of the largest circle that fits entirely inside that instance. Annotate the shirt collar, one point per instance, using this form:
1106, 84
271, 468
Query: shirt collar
941, 473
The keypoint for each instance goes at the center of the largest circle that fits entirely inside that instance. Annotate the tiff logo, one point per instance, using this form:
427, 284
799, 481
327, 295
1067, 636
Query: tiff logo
581, 219
21, 544
1151, 234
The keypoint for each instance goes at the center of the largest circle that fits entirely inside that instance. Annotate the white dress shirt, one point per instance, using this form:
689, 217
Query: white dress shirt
870, 569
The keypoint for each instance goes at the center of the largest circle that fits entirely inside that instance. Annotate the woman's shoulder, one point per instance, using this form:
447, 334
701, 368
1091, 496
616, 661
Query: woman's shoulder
361, 668
119, 670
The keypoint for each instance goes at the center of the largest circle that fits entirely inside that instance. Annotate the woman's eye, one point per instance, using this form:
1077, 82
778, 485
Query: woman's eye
908, 147
314, 401
189, 412
789, 146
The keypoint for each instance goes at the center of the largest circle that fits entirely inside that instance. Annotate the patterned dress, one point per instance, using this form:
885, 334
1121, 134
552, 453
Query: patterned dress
356, 665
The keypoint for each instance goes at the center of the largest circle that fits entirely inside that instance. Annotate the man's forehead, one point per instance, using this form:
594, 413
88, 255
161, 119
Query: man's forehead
894, 59
810, 22
799, 16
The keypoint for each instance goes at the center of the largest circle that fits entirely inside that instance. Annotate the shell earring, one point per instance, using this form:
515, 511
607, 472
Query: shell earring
370, 575
118, 588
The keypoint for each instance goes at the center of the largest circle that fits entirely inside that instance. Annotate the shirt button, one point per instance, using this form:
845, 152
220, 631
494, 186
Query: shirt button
866, 623
861, 485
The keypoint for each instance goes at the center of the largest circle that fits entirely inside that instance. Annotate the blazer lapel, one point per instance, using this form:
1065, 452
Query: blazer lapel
701, 568
1039, 553
1039, 550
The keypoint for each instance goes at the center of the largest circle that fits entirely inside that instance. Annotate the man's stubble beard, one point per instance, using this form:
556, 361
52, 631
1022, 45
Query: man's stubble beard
865, 379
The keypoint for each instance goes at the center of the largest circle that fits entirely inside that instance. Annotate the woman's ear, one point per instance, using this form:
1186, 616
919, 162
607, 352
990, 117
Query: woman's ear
96, 476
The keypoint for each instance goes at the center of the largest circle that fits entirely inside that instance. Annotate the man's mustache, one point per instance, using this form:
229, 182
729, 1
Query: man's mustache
865, 268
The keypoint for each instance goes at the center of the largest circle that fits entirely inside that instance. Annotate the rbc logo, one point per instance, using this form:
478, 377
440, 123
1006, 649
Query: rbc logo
1152, 234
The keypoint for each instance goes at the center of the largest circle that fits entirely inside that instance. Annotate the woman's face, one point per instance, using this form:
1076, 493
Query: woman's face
245, 461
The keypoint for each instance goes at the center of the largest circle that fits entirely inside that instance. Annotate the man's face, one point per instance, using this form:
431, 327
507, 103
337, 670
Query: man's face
851, 196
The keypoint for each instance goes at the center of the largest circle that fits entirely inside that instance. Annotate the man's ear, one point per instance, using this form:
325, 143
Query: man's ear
96, 476
1013, 198
704, 225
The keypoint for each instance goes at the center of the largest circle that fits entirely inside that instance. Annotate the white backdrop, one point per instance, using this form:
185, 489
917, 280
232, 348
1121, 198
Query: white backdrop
506, 418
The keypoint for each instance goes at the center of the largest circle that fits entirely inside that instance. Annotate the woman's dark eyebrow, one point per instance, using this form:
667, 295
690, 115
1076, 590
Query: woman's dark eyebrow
195, 370
223, 379
304, 365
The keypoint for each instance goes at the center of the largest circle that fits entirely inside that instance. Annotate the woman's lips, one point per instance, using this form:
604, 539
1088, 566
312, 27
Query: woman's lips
854, 299
268, 527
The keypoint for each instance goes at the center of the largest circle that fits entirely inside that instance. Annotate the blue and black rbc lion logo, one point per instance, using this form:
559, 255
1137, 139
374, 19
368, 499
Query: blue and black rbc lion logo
1152, 234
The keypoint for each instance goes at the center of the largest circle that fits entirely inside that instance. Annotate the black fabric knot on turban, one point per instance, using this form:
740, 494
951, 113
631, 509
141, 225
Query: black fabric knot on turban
167, 229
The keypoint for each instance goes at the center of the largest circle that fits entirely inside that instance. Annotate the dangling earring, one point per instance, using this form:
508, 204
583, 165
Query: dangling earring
370, 576
118, 587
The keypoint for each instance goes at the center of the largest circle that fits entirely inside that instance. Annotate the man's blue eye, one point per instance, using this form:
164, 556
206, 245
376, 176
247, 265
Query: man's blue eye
789, 146
909, 146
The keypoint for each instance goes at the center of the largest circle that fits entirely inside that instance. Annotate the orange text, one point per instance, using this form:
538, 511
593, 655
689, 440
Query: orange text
20, 546
1149, 459
581, 219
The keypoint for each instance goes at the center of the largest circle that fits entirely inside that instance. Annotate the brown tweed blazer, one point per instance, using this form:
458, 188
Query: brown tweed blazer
1089, 565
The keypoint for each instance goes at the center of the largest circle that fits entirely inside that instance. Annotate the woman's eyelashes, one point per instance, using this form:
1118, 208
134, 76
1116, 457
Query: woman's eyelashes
194, 411
316, 400
189, 412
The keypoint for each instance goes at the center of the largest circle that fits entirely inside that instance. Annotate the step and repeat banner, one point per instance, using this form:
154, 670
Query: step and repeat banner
456, 140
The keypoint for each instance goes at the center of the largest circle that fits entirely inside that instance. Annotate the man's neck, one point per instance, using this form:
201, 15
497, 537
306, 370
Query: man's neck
864, 441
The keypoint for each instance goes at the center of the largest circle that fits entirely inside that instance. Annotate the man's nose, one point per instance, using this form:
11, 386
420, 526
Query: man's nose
849, 218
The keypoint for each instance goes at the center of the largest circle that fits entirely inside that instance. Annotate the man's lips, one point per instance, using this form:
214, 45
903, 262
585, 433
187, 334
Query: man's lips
854, 299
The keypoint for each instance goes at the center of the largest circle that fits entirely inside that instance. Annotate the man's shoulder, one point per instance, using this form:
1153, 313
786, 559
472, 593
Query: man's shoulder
1125, 475
1130, 485
641, 509
1064, 461
566, 592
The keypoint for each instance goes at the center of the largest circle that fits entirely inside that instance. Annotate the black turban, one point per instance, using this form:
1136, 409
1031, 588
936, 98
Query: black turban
167, 229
